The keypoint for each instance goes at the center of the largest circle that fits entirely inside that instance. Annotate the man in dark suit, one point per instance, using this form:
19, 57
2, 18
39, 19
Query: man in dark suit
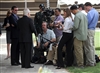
14, 37
25, 30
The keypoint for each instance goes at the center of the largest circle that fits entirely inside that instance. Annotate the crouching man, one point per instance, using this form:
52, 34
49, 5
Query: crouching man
45, 39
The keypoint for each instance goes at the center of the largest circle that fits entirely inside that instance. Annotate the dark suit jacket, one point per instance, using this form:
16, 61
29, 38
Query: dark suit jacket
25, 29
14, 30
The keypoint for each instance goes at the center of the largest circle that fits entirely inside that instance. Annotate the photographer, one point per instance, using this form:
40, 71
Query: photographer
39, 18
58, 19
45, 39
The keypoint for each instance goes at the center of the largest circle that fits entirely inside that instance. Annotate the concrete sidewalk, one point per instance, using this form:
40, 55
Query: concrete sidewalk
5, 66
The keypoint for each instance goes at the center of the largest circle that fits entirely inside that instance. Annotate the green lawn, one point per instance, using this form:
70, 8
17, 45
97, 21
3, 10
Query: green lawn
95, 69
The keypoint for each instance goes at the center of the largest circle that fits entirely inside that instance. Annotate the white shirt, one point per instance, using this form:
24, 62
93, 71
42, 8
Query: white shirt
83, 11
67, 25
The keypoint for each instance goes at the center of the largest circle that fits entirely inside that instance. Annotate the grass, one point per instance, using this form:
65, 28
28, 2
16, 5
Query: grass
95, 69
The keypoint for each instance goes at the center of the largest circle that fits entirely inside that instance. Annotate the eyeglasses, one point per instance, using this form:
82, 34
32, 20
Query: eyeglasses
15, 10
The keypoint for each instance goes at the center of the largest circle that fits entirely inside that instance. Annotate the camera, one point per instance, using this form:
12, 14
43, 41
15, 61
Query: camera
48, 12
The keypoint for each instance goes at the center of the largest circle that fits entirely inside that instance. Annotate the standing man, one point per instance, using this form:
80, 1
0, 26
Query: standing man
82, 9
58, 19
92, 17
14, 36
25, 30
80, 34
39, 18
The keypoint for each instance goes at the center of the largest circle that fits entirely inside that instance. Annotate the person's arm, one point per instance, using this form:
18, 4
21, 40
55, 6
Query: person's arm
35, 20
6, 23
89, 17
53, 39
58, 21
32, 27
12, 21
76, 23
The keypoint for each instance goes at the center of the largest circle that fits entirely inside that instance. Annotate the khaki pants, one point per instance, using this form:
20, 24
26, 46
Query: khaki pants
78, 50
89, 48
52, 55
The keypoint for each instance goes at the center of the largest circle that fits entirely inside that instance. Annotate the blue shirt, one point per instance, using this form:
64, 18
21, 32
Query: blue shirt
92, 17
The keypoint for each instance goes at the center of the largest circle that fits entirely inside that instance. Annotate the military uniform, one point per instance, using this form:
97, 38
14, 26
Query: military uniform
39, 18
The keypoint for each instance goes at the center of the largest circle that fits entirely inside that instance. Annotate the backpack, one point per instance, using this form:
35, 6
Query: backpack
97, 59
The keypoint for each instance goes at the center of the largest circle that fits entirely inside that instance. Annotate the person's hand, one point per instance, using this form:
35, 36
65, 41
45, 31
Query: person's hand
58, 22
37, 47
51, 24
12, 25
46, 44
36, 34
7, 25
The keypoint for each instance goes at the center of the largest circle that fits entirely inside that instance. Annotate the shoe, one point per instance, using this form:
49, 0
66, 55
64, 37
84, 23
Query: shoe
55, 64
29, 67
58, 68
90, 65
14, 64
37, 62
23, 67
81, 67
19, 63
7, 57
49, 63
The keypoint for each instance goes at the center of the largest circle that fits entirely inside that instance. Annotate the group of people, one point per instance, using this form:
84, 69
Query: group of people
76, 34
20, 41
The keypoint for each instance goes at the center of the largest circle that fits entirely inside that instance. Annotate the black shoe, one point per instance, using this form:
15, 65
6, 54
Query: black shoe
19, 63
29, 67
55, 64
49, 63
58, 68
14, 64
23, 67
37, 62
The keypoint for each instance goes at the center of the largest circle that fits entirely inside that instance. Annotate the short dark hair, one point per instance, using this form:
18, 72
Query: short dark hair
73, 7
12, 8
88, 4
81, 5
58, 9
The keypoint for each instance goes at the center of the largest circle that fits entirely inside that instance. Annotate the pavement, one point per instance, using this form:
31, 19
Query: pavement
5, 66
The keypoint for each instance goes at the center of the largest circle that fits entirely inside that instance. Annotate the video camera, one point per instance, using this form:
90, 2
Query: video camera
48, 12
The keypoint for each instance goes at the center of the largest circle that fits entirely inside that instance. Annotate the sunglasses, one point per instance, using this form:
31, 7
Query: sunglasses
15, 10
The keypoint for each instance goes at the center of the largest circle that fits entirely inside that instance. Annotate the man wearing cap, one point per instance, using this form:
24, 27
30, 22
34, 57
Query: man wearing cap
39, 18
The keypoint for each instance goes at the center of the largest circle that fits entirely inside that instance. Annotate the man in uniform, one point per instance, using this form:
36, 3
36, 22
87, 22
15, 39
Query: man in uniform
39, 18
